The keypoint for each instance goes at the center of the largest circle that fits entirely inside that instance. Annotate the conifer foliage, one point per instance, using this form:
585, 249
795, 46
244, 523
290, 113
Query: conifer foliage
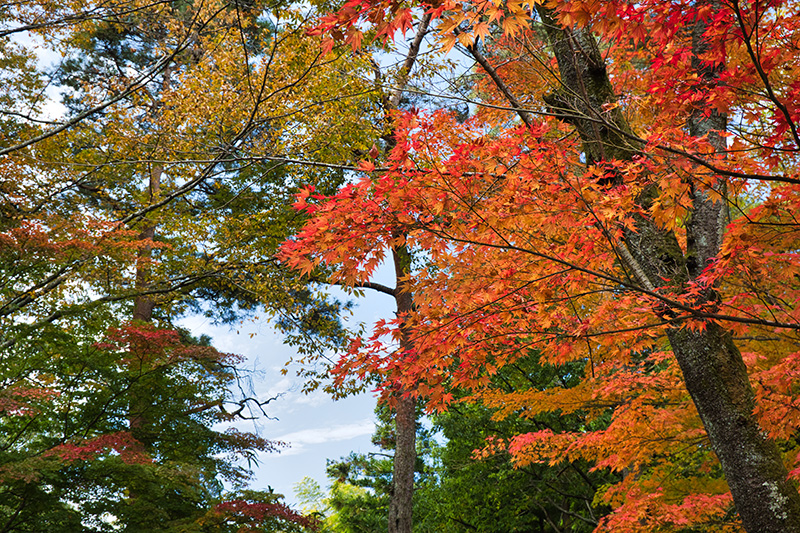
143, 148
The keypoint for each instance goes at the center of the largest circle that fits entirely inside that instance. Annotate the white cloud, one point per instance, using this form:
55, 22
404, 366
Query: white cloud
322, 435
316, 398
278, 388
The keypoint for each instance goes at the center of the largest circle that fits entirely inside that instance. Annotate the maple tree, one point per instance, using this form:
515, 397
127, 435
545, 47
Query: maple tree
404, 405
624, 201
254, 512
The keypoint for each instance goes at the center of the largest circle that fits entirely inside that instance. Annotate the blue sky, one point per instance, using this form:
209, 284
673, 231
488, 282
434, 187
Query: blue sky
315, 427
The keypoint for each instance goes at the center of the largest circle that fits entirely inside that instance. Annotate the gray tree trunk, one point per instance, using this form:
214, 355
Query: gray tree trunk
405, 458
405, 418
405, 453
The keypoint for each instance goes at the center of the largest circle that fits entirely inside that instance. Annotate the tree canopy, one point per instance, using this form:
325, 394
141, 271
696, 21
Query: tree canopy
621, 198
161, 188
597, 260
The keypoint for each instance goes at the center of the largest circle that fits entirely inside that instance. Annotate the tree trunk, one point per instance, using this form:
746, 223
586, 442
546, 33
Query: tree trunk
714, 372
143, 304
716, 378
405, 453
405, 419
405, 458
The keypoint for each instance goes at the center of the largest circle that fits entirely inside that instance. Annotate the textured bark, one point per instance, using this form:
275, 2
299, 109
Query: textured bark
713, 370
405, 457
716, 378
584, 89
405, 453
143, 304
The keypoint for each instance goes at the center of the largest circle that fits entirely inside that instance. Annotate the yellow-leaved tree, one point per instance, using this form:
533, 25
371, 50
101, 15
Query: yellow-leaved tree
164, 186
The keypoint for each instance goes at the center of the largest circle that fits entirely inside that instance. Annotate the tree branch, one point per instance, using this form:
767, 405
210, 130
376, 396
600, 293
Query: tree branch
499, 83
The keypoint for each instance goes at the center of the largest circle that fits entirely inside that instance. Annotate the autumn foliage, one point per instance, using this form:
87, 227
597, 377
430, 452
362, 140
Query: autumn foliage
143, 149
249, 514
620, 204
579, 236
